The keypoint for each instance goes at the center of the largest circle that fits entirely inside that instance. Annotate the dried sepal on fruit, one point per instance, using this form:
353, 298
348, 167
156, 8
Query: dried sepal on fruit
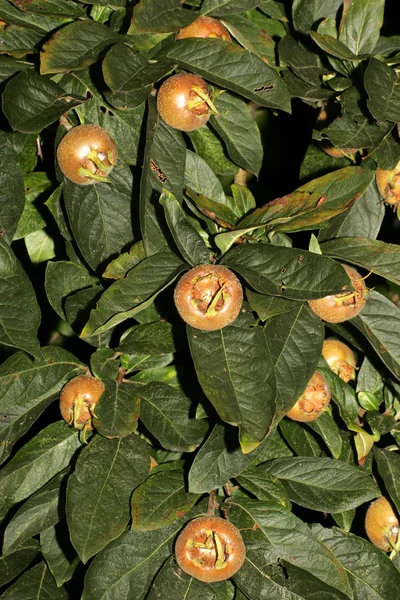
340, 358
337, 308
313, 401
184, 102
78, 400
210, 549
388, 182
209, 297
204, 27
87, 154
382, 525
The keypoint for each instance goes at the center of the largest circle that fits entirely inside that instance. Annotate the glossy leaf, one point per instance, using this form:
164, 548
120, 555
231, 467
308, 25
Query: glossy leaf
63, 278
326, 427
12, 196
388, 467
36, 584
385, 104
162, 15
98, 491
60, 556
117, 410
14, 563
361, 25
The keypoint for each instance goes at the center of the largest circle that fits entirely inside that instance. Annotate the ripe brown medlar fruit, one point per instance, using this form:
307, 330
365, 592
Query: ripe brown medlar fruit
313, 401
210, 549
78, 399
337, 308
340, 358
86, 154
184, 102
208, 297
381, 524
205, 27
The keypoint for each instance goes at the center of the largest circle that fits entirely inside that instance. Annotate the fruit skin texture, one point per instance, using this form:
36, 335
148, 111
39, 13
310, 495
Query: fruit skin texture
381, 524
204, 27
340, 358
86, 154
78, 399
344, 306
180, 106
313, 401
388, 183
208, 297
210, 549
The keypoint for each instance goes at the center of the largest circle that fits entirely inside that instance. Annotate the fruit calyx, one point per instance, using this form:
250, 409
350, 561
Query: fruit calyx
313, 401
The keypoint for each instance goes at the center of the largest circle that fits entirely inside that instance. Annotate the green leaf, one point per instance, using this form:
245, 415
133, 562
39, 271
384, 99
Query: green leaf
388, 464
190, 244
42, 510
19, 41
27, 388
126, 568
375, 256
98, 491
107, 207
287, 272
323, 484
14, 563
281, 533
32, 102
370, 571
363, 219
379, 321
333, 46
10, 66
18, 329
37, 185
164, 411
61, 279
65, 8
117, 411
129, 76
209, 147
233, 365
299, 438
75, 46
45, 455
326, 427
36, 584
343, 395
185, 587
161, 500
382, 86
307, 12
118, 268
40, 246
162, 15
361, 25
222, 8
238, 129
263, 486
268, 306
253, 34
200, 178
58, 552
12, 193
127, 296
232, 68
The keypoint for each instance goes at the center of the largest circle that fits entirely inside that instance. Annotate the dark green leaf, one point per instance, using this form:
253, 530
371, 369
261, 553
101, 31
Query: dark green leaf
165, 411
107, 207
382, 85
380, 258
252, 35
370, 571
162, 15
31, 102
36, 584
27, 387
361, 25
190, 244
379, 321
299, 438
343, 395
287, 272
307, 12
117, 411
19, 41
42, 510
12, 194
263, 486
209, 147
160, 500
14, 563
222, 8
75, 46
45, 455
98, 491
10, 66
62, 278
280, 532
268, 306
126, 296
326, 427
389, 469
232, 68
18, 329
323, 484
64, 8
58, 552
118, 268
333, 46
238, 129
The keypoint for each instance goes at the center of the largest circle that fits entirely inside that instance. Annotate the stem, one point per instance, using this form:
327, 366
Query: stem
212, 503
241, 177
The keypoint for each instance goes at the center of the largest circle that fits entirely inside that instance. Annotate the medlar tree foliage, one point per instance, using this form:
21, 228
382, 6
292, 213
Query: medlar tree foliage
278, 185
